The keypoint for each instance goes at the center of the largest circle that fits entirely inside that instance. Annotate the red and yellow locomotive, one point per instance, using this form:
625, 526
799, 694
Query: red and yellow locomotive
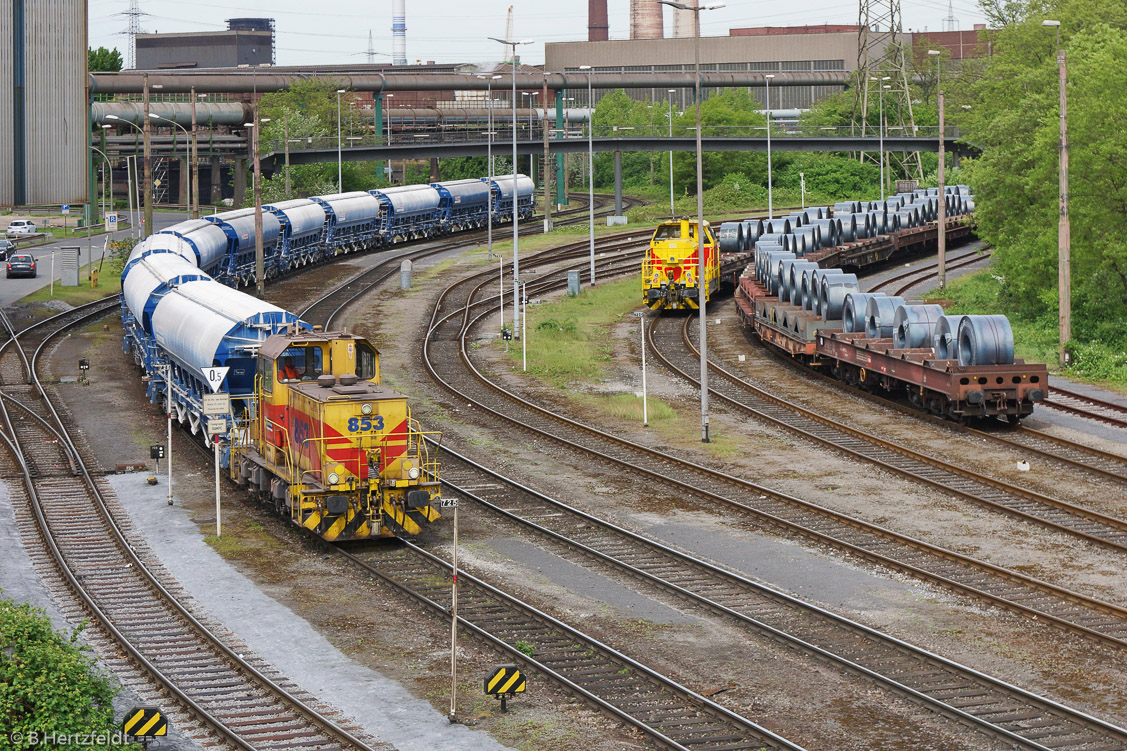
335, 450
671, 268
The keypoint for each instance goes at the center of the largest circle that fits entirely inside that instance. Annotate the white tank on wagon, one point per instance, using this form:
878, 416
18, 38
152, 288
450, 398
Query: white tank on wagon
208, 240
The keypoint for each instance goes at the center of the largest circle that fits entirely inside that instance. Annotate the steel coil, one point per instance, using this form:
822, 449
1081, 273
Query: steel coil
794, 279
863, 228
853, 311
907, 217
913, 326
770, 269
943, 338
730, 237
780, 226
762, 265
797, 219
828, 230
806, 289
834, 290
845, 207
816, 288
753, 230
847, 229
879, 315
813, 237
782, 275
985, 340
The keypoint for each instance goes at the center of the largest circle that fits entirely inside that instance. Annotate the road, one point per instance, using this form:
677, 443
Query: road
13, 290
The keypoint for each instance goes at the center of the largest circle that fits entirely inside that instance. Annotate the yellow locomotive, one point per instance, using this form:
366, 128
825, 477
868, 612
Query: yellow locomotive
671, 268
332, 448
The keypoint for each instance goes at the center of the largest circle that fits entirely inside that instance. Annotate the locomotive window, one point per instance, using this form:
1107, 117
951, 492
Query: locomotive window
365, 363
267, 381
668, 232
299, 364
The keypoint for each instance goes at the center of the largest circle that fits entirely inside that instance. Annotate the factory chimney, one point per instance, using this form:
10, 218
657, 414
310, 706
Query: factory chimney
399, 32
598, 30
683, 20
645, 20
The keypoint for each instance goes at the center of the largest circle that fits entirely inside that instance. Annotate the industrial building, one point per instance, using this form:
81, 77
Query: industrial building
246, 42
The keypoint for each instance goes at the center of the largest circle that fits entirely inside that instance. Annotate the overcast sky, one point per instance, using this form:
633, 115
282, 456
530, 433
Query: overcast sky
448, 31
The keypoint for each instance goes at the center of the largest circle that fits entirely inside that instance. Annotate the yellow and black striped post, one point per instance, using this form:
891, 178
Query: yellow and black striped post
504, 681
144, 722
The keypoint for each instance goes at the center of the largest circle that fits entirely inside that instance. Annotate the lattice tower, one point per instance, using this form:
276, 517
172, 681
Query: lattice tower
950, 23
371, 49
134, 15
880, 53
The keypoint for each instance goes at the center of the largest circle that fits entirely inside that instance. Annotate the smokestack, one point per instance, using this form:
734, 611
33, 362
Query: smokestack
683, 20
645, 20
598, 30
399, 32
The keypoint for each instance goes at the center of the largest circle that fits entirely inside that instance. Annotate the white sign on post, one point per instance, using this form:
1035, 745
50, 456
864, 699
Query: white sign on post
214, 377
216, 426
111, 222
66, 208
216, 404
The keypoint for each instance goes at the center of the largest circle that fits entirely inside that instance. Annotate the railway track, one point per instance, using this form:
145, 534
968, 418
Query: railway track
920, 275
674, 348
1081, 405
666, 712
121, 595
1101, 621
1006, 712
1024, 440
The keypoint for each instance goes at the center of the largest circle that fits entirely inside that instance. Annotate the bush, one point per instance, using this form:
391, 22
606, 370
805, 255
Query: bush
48, 681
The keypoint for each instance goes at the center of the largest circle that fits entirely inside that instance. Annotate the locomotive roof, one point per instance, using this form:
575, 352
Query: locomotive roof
360, 390
277, 343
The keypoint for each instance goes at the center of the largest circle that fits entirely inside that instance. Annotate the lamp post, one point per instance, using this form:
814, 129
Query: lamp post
770, 194
590, 170
140, 130
672, 211
880, 129
1064, 230
188, 149
108, 164
340, 170
516, 232
702, 279
489, 165
941, 235
259, 255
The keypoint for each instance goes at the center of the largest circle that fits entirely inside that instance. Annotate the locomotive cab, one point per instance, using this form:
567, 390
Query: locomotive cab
671, 267
332, 447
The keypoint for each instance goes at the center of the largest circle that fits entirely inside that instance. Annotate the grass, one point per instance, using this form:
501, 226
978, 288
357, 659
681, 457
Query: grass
1038, 339
627, 407
109, 283
568, 340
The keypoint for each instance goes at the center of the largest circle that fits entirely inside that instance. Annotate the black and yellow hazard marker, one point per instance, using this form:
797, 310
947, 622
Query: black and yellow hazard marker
503, 681
144, 722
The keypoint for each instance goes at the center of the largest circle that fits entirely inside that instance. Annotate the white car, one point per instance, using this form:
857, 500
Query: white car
21, 227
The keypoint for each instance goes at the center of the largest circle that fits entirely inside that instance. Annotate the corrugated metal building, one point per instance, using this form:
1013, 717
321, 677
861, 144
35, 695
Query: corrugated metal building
813, 49
44, 131
204, 49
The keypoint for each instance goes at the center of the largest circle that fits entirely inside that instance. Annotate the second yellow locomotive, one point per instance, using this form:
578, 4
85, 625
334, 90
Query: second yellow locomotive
333, 449
671, 268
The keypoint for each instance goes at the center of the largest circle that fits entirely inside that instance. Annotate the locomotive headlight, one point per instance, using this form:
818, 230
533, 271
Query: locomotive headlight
413, 473
334, 478
366, 409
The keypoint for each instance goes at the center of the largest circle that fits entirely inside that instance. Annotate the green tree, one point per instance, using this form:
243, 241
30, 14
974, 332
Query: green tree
1014, 118
103, 60
49, 683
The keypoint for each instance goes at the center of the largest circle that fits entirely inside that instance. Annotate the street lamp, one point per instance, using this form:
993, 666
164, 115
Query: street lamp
941, 235
489, 164
187, 149
672, 211
389, 97
770, 195
259, 254
702, 281
590, 168
880, 129
110, 165
516, 234
1064, 231
340, 180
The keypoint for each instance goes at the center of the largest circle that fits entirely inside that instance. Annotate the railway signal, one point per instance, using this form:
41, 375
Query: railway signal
504, 681
144, 723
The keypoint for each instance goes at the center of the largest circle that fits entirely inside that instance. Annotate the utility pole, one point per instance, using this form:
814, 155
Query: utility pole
942, 239
547, 171
259, 259
286, 138
148, 163
1064, 233
195, 162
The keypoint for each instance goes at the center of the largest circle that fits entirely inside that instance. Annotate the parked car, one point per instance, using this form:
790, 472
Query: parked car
21, 227
7, 247
21, 265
